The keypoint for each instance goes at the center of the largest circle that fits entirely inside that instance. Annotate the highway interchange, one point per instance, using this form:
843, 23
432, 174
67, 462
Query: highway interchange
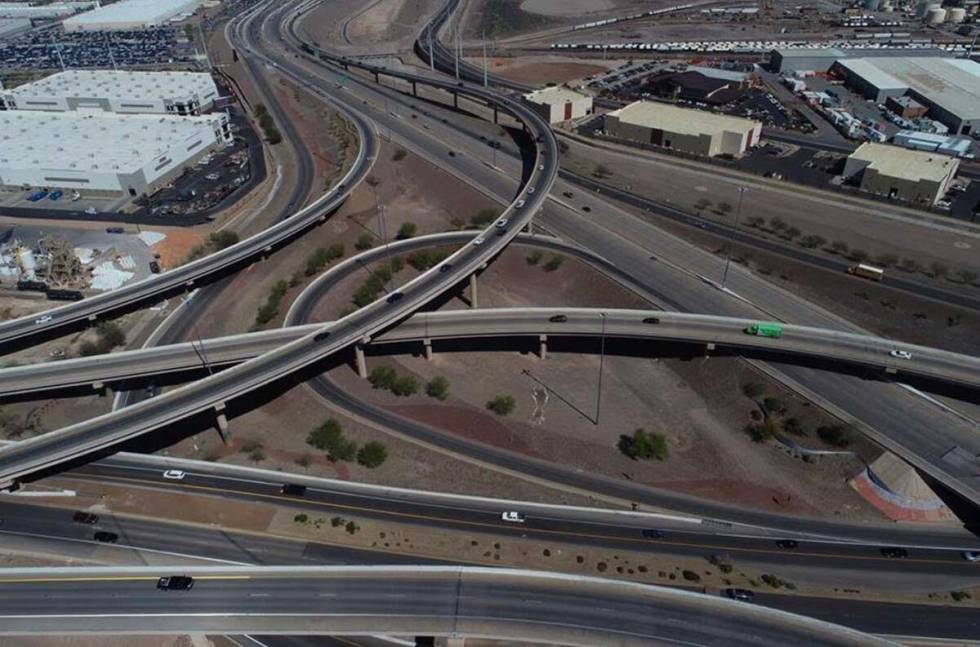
297, 352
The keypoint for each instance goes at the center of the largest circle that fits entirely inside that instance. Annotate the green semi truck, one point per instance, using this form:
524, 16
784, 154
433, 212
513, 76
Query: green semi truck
773, 330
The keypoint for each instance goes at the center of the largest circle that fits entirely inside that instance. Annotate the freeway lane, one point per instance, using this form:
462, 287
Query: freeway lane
44, 527
507, 604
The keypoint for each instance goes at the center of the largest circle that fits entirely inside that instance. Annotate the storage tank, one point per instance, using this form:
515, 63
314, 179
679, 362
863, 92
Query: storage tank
957, 14
935, 16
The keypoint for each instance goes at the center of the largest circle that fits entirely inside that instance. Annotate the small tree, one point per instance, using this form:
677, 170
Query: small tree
725, 207
601, 171
836, 435
702, 204
534, 257
399, 155
438, 388
812, 242
753, 389
859, 255
382, 377
909, 265
222, 239
324, 436
644, 446
554, 263
483, 217
791, 233
364, 241
407, 230
404, 386
839, 247
755, 221
372, 454
938, 270
777, 224
502, 404
763, 430
966, 276
111, 335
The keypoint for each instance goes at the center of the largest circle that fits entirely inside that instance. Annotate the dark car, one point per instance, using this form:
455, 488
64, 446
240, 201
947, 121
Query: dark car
452, 153
114, 230
445, 267
394, 297
154, 267
649, 533
740, 594
106, 537
587, 209
787, 544
321, 336
293, 490
558, 319
894, 552
652, 320
175, 583
85, 517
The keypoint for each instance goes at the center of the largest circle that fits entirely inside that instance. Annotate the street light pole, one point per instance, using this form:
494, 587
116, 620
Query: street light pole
731, 239
602, 358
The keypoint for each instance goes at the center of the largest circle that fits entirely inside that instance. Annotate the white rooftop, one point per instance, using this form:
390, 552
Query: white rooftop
124, 12
553, 95
95, 141
951, 83
113, 84
681, 120
898, 162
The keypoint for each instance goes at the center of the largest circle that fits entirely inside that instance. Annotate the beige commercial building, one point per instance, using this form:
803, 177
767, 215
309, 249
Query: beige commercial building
558, 104
683, 129
914, 176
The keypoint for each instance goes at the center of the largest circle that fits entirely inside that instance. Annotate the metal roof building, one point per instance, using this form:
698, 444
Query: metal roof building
178, 93
130, 14
950, 87
42, 12
98, 151
559, 104
820, 59
684, 129
900, 173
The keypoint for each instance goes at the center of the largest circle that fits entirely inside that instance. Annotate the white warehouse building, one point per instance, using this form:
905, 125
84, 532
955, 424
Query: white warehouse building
175, 93
131, 14
96, 151
28, 11
558, 104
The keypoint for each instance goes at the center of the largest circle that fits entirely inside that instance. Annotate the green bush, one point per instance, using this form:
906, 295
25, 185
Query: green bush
301, 518
399, 155
268, 311
762, 431
644, 446
407, 230
329, 437
438, 388
753, 390
382, 377
404, 386
364, 242
222, 239
554, 263
425, 259
110, 335
502, 404
534, 257
372, 454
836, 435
484, 217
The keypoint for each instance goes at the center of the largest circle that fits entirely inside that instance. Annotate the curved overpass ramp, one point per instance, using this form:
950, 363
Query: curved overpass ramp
505, 604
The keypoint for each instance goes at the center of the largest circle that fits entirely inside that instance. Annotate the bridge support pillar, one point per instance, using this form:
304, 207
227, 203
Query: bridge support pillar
360, 361
100, 388
377, 78
456, 100
428, 347
710, 346
415, 90
890, 371
543, 346
474, 302
495, 117
221, 422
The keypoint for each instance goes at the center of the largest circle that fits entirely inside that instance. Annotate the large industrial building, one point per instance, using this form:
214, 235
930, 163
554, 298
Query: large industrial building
820, 59
43, 11
899, 173
101, 152
683, 129
175, 93
131, 14
558, 104
949, 87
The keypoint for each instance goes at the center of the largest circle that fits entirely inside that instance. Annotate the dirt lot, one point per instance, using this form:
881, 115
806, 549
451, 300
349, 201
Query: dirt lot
543, 69
368, 26
696, 404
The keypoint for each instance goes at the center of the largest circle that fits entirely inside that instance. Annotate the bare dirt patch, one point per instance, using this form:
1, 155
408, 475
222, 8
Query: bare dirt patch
539, 72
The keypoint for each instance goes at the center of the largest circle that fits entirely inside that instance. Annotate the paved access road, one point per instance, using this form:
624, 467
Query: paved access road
413, 600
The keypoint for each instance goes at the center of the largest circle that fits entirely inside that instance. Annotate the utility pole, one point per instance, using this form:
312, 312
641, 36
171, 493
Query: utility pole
731, 239
108, 47
485, 84
456, 51
432, 62
602, 358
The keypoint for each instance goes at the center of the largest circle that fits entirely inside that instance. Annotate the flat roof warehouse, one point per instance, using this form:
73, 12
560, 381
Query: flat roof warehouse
680, 120
117, 84
129, 14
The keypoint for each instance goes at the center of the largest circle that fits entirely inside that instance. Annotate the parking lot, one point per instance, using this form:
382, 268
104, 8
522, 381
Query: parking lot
55, 49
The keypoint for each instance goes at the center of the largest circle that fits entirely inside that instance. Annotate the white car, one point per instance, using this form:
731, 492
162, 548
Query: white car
513, 516
479, 241
43, 320
502, 223
530, 190
971, 555
175, 475
901, 354
520, 203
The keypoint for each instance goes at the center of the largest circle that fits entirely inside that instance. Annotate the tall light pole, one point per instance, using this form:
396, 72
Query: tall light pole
602, 358
731, 239
485, 84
